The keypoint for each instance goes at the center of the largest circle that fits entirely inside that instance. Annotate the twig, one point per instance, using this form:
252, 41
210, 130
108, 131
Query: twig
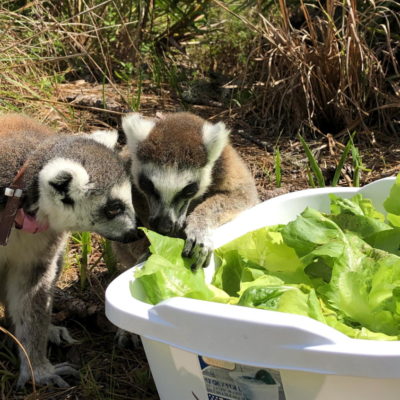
260, 143
20, 345
90, 108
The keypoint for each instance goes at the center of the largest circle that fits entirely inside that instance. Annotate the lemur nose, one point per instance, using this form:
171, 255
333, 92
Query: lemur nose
162, 225
131, 236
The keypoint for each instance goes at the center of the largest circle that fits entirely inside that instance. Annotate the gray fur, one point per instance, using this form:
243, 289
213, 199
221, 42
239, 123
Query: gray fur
172, 152
30, 264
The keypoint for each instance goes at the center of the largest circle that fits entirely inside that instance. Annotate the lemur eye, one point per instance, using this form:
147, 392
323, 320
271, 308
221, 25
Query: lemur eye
114, 208
189, 190
147, 186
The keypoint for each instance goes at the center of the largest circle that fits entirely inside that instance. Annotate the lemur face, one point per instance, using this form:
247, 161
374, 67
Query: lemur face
89, 190
172, 162
68, 201
169, 192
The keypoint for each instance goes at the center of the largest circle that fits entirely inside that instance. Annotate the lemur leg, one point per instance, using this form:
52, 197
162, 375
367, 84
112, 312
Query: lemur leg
60, 334
214, 211
29, 301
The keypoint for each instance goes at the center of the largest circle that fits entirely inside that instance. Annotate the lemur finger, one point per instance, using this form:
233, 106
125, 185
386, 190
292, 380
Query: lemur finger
57, 334
44, 380
65, 369
66, 363
207, 259
21, 382
127, 339
189, 247
53, 380
202, 256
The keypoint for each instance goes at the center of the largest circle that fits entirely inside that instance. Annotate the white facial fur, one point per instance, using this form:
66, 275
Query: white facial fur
84, 214
136, 129
168, 182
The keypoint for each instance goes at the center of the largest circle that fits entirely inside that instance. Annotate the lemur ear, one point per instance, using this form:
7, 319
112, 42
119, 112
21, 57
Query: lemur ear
215, 138
65, 180
108, 138
136, 128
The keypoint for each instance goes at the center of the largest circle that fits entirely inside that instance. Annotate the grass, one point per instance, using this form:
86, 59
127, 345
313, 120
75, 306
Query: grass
83, 240
315, 168
108, 256
7, 376
342, 160
278, 167
316, 177
330, 67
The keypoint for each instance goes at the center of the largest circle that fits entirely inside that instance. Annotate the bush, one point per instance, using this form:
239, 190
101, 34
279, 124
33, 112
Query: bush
330, 67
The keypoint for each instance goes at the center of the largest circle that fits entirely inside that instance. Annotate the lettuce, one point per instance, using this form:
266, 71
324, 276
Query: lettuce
363, 280
166, 274
342, 268
392, 203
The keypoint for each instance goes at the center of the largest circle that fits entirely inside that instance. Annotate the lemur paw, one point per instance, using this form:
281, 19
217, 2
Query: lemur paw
49, 375
126, 339
59, 334
198, 247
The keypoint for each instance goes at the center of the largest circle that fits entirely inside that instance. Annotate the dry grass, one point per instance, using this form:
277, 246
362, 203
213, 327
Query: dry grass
336, 70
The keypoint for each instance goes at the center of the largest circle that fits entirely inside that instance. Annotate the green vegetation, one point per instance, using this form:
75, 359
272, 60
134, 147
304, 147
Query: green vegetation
325, 67
315, 174
84, 242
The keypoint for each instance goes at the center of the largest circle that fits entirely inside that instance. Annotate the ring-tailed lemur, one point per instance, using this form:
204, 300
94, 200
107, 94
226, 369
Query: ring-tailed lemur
72, 183
190, 180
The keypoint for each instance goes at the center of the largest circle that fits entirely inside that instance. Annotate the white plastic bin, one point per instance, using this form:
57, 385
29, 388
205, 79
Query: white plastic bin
196, 348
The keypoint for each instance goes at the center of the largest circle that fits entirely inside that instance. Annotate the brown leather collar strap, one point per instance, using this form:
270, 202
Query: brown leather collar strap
14, 196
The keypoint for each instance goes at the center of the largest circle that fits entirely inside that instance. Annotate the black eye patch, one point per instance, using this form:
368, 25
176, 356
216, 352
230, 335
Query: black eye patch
188, 191
61, 184
147, 186
113, 208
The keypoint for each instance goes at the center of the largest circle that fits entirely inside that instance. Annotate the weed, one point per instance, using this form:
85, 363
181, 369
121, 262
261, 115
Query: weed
83, 240
358, 165
342, 161
278, 167
6, 379
108, 255
315, 168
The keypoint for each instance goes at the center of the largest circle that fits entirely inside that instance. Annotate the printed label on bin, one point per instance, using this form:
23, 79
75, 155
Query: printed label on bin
229, 381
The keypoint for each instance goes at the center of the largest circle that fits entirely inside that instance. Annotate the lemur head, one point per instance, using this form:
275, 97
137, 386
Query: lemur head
172, 162
83, 186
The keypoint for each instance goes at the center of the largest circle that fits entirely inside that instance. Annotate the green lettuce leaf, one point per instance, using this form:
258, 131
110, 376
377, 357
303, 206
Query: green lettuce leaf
363, 280
392, 203
357, 215
255, 254
294, 299
167, 274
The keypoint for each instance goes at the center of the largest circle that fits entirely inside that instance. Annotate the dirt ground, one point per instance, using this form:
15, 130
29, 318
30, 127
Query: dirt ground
108, 372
